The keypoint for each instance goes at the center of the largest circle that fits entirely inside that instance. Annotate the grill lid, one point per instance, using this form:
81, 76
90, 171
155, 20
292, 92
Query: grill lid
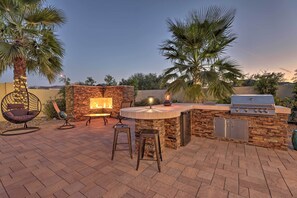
252, 104
252, 99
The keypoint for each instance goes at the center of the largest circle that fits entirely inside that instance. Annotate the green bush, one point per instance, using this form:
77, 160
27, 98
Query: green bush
175, 101
224, 101
267, 83
48, 108
286, 102
290, 103
145, 102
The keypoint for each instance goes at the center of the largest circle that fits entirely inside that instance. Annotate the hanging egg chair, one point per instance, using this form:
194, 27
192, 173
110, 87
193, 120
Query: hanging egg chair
20, 111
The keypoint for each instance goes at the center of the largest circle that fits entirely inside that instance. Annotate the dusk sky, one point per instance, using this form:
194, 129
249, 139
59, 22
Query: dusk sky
122, 37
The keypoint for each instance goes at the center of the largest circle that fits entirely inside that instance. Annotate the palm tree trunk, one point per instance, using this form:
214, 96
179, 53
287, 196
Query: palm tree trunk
20, 80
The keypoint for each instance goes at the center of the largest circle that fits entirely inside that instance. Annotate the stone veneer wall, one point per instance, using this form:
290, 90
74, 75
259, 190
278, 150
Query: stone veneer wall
264, 131
78, 98
172, 133
169, 131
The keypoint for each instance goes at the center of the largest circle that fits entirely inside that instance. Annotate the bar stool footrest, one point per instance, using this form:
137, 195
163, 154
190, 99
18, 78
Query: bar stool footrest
122, 150
154, 160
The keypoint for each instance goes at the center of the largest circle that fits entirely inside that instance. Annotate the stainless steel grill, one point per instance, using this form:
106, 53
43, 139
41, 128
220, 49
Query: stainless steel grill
252, 104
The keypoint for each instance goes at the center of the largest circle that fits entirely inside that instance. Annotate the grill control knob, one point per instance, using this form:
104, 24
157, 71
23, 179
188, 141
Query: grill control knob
260, 111
245, 110
237, 110
255, 111
265, 111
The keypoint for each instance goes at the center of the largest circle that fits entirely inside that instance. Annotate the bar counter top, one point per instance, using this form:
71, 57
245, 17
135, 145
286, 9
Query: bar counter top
173, 111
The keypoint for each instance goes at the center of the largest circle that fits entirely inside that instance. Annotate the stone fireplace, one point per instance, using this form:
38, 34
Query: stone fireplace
81, 99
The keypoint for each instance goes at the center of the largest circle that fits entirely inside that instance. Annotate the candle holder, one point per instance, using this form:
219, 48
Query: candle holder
167, 101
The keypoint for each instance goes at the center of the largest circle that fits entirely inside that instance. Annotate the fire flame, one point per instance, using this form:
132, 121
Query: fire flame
100, 103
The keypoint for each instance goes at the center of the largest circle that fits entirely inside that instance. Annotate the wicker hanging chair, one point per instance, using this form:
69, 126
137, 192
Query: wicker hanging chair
20, 112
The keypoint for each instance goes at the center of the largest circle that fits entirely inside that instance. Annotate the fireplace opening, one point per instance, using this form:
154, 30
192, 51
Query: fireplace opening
100, 103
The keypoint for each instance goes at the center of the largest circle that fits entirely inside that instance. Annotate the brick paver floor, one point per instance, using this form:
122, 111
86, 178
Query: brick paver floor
76, 163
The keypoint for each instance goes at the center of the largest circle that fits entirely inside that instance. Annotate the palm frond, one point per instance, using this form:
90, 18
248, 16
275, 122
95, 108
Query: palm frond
8, 5
194, 92
9, 52
220, 89
32, 2
169, 77
176, 85
4, 65
47, 16
51, 41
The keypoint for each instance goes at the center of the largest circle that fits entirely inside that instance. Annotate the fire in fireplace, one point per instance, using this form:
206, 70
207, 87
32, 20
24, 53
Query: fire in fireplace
100, 103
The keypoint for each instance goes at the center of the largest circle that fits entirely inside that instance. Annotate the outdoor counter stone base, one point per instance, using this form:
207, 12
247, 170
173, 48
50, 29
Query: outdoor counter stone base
169, 131
264, 131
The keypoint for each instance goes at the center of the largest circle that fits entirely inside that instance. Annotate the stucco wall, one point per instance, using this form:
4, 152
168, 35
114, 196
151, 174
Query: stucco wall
45, 94
282, 92
5, 88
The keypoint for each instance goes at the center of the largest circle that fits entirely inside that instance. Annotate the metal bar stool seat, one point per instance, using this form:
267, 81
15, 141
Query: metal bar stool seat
152, 134
121, 128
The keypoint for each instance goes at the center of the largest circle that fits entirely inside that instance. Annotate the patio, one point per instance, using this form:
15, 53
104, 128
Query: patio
76, 163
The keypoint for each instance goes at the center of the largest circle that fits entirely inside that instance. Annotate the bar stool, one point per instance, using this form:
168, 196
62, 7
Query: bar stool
121, 128
153, 134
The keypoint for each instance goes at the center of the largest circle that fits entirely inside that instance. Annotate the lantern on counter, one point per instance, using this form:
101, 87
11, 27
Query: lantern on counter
167, 101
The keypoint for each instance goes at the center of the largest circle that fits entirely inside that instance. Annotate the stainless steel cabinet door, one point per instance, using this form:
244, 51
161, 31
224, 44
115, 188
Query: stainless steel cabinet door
231, 128
220, 127
238, 129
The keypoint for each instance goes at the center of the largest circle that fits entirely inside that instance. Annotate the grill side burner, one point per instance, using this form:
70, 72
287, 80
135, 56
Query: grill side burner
255, 104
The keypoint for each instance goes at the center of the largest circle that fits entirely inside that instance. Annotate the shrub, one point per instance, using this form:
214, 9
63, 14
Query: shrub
175, 101
286, 102
267, 83
226, 100
48, 108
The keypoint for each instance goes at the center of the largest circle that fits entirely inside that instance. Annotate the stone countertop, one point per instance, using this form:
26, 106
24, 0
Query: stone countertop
173, 111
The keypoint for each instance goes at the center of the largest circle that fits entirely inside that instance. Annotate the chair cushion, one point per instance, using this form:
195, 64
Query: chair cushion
62, 114
8, 114
20, 118
23, 118
19, 112
34, 112
15, 106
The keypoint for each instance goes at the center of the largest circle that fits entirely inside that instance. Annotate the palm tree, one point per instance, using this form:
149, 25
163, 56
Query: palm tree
27, 40
196, 51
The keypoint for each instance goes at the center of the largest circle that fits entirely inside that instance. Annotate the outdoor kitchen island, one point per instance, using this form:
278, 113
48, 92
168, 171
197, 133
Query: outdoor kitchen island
265, 131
